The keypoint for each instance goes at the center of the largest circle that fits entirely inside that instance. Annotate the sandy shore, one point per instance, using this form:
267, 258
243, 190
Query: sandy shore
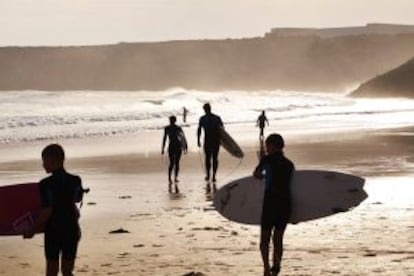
181, 233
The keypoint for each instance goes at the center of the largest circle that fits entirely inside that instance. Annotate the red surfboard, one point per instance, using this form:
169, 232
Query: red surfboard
19, 207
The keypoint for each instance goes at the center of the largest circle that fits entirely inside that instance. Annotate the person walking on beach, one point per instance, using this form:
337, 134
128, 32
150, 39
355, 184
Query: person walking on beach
211, 125
59, 216
278, 171
176, 145
261, 120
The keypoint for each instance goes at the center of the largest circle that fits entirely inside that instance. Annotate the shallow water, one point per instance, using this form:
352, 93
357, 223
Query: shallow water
39, 115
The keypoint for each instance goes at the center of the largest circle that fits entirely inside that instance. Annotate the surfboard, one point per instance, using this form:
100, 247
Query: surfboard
229, 144
182, 140
315, 194
19, 207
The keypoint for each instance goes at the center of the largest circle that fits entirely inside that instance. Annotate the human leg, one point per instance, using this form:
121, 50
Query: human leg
277, 248
52, 250
208, 155
215, 162
52, 267
171, 164
67, 267
177, 165
265, 235
69, 250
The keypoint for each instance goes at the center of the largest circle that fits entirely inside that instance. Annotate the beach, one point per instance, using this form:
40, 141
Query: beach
181, 234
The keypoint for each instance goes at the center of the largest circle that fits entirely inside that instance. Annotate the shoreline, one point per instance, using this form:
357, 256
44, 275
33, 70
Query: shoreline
392, 147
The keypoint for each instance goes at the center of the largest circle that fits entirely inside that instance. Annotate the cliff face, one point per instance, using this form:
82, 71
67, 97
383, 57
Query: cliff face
293, 63
395, 83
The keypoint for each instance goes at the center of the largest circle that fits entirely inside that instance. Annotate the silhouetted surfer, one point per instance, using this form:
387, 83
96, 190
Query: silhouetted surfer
176, 145
276, 208
59, 216
211, 125
185, 112
261, 121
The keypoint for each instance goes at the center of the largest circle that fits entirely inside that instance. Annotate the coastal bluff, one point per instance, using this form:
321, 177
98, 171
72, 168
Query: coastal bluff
398, 82
310, 63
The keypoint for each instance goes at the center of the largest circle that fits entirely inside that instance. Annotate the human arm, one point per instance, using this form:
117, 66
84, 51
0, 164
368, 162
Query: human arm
39, 223
199, 133
220, 122
267, 121
79, 190
46, 210
258, 171
164, 139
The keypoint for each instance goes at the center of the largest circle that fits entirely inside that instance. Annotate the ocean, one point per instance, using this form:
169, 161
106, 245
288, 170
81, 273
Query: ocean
39, 115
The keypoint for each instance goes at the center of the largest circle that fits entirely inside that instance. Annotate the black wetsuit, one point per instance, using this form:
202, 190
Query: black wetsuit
277, 196
211, 124
60, 191
261, 122
175, 147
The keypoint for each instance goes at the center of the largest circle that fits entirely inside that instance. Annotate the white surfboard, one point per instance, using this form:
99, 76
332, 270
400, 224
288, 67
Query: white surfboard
182, 140
315, 194
230, 145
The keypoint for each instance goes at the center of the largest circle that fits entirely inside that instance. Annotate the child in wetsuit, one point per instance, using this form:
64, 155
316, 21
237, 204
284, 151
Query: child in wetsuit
278, 171
59, 217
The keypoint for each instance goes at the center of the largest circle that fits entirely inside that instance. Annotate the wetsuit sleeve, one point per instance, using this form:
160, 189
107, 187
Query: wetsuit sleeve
258, 171
220, 122
46, 195
78, 189
200, 124
164, 139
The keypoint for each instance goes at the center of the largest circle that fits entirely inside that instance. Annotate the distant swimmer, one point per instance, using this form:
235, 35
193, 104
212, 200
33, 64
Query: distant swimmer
211, 125
177, 144
185, 112
261, 124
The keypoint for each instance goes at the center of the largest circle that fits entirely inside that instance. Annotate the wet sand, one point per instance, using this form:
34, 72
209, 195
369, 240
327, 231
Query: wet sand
180, 234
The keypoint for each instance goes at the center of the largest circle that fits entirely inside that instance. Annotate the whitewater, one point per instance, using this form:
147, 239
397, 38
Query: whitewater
39, 115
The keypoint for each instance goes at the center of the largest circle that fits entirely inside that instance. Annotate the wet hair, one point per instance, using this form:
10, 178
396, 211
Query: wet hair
207, 107
55, 151
173, 119
275, 140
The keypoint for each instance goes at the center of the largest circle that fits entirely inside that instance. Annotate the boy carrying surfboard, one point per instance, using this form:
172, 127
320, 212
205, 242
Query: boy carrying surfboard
277, 170
59, 216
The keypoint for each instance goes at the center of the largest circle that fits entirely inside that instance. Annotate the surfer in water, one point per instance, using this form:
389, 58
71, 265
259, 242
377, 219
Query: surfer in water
185, 112
261, 121
59, 216
277, 171
211, 125
176, 145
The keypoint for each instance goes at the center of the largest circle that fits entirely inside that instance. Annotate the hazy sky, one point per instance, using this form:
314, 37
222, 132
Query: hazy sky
62, 22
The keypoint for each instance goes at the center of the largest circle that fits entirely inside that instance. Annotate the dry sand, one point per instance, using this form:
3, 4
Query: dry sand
181, 234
